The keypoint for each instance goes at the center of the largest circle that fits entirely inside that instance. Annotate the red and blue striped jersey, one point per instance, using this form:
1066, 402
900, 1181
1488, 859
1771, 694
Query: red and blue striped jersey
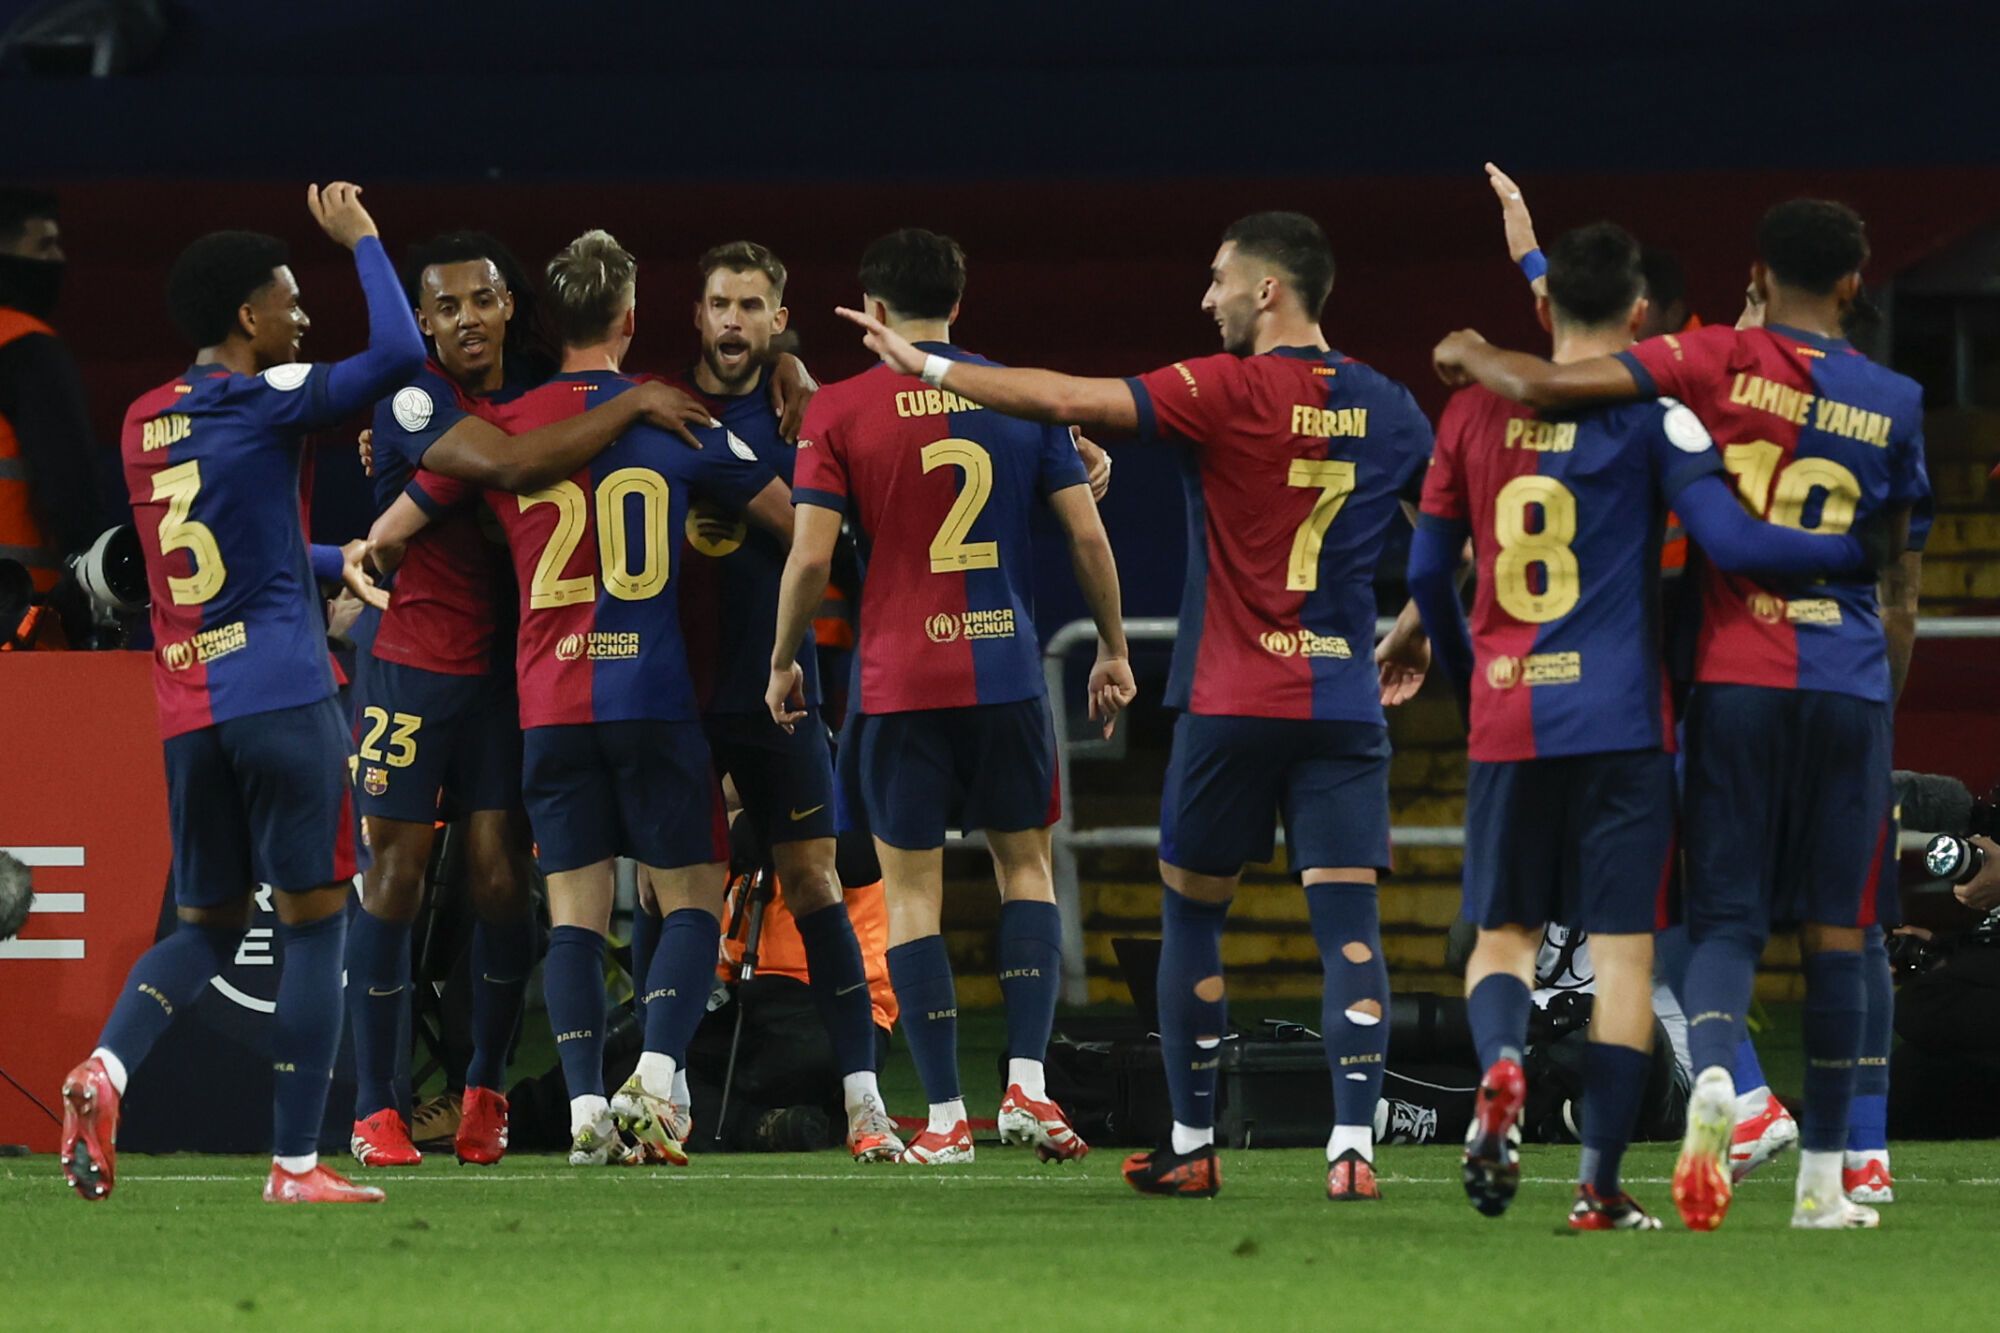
1296, 462
1819, 438
212, 462
1567, 514
939, 491
596, 555
452, 587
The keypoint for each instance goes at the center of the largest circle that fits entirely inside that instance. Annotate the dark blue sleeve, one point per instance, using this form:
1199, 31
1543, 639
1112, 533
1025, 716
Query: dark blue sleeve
1678, 447
1433, 577
327, 562
1060, 466
413, 418
309, 397
1415, 440
1739, 544
725, 469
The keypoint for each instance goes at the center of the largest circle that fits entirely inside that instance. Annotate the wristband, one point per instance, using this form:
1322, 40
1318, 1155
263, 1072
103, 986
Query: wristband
934, 368
1533, 265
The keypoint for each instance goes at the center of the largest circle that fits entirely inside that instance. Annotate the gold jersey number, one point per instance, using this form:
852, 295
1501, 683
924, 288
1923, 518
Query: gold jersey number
951, 553
178, 485
1787, 491
1547, 547
1333, 478
550, 588
402, 750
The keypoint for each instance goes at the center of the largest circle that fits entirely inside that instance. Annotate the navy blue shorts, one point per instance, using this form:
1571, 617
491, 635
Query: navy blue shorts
262, 799
850, 809
1585, 841
989, 766
1231, 778
785, 779
1788, 795
430, 743
644, 789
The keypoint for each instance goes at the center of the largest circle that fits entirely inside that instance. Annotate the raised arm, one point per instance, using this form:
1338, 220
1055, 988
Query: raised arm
1519, 225
1466, 358
1111, 685
395, 349
815, 531
480, 453
1739, 544
1035, 395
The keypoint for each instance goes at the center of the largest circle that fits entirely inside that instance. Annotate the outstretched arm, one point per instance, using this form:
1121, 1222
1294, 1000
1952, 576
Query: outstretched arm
1519, 224
1111, 684
1739, 544
395, 349
480, 453
1466, 358
815, 531
1035, 395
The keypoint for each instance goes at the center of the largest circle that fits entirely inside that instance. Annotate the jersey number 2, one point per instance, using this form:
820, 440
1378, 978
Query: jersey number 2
951, 553
548, 588
178, 485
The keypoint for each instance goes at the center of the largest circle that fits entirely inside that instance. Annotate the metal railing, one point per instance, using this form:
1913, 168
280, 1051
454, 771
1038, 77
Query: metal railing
1067, 839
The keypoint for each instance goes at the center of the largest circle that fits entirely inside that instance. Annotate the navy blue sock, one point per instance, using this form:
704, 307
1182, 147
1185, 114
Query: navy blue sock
920, 971
378, 983
1868, 1113
1030, 975
1614, 1083
645, 939
503, 953
839, 983
679, 982
1497, 1011
167, 979
573, 987
1721, 974
1354, 998
1833, 1016
306, 1034
1194, 1009
1747, 1069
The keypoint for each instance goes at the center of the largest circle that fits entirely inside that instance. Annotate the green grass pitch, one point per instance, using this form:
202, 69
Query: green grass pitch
814, 1242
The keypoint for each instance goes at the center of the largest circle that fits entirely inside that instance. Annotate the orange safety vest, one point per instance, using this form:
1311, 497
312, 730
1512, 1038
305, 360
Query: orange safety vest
22, 537
781, 951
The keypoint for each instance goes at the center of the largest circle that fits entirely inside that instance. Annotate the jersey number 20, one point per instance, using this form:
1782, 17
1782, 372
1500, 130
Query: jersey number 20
548, 588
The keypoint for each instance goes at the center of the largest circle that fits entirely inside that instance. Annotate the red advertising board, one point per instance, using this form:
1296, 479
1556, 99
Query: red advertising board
83, 800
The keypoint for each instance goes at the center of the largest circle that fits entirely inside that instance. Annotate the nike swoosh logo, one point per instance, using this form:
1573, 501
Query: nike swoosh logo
385, 994
849, 990
801, 814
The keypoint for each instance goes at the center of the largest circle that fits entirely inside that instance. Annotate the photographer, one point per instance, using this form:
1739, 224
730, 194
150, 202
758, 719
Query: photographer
1945, 1076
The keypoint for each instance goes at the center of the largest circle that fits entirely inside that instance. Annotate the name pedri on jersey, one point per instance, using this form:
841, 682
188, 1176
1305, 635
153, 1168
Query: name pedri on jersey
596, 555
212, 463
1567, 516
1297, 460
1818, 437
939, 490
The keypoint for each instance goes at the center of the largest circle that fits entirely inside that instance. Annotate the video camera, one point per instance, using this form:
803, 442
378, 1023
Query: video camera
98, 585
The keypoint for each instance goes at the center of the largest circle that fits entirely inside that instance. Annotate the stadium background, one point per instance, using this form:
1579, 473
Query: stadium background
1087, 157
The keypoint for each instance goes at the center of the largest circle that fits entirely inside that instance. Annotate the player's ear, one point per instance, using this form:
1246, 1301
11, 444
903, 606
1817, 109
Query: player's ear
1637, 316
507, 307
424, 321
1847, 290
246, 321
780, 318
631, 322
1545, 314
1760, 280
952, 318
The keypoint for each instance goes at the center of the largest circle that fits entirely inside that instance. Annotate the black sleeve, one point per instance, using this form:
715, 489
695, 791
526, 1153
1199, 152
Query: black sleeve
41, 395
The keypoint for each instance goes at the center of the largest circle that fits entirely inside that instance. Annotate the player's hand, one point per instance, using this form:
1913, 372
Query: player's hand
365, 445
1111, 690
1514, 215
1402, 660
792, 388
785, 696
384, 556
1448, 358
338, 210
1982, 894
894, 349
341, 613
354, 574
676, 410
1096, 463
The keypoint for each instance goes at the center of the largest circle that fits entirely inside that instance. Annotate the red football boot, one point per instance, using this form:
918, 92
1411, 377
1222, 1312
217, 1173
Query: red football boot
90, 1130
1492, 1166
1618, 1212
319, 1185
482, 1133
1193, 1175
1702, 1187
383, 1140
932, 1148
1351, 1177
1043, 1124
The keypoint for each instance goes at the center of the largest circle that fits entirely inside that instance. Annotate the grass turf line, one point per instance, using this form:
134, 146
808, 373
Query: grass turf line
783, 1241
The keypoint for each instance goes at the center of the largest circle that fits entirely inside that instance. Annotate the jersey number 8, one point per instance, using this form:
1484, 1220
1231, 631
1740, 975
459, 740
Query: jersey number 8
548, 588
1548, 547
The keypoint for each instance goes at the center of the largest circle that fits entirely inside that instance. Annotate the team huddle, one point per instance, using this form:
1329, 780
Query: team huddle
600, 639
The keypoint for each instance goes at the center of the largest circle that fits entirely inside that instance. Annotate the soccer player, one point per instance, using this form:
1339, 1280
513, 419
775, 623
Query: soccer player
1296, 458
1570, 802
730, 600
1787, 789
439, 729
952, 728
615, 763
256, 746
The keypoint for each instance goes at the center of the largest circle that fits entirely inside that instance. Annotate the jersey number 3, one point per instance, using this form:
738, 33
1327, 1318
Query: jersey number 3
950, 551
178, 485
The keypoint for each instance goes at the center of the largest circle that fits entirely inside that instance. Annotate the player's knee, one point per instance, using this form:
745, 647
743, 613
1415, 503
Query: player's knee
1209, 990
810, 892
1356, 952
